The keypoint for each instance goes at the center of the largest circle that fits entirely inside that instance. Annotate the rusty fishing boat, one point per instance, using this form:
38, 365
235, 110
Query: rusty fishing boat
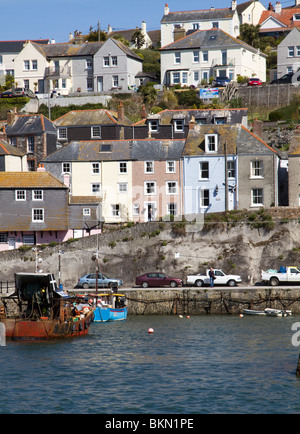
39, 309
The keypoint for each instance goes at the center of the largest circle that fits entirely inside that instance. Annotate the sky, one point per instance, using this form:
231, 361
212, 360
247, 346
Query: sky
55, 19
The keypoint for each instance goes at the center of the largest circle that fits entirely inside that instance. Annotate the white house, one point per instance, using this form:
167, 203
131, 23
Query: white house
76, 67
250, 12
173, 23
209, 53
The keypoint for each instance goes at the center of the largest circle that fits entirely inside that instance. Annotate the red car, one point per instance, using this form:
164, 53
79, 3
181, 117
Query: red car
157, 279
254, 82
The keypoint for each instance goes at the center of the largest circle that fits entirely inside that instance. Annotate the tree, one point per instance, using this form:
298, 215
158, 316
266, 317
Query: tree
250, 34
138, 38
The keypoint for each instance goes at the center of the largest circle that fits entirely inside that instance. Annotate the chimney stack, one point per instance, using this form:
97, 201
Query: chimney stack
278, 8
179, 33
12, 116
192, 123
144, 113
167, 10
257, 128
121, 116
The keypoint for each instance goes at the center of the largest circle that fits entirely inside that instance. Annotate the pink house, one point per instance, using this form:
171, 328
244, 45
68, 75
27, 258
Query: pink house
156, 179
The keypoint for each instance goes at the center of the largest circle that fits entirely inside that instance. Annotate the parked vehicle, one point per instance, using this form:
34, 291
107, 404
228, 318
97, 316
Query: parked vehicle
254, 82
89, 281
221, 279
22, 91
283, 275
7, 94
287, 78
157, 279
220, 81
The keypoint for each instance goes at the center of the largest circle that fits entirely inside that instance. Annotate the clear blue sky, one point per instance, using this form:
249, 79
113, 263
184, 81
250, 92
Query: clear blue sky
34, 19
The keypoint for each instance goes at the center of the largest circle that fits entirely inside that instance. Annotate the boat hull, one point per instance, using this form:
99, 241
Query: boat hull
104, 314
44, 329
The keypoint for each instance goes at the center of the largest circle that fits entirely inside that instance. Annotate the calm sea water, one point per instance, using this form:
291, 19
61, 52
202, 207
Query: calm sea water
200, 365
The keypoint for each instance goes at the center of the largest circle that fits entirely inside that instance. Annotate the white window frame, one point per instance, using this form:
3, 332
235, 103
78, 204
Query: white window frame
86, 212
256, 194
37, 195
66, 167
106, 62
115, 210
151, 186
177, 58
257, 169
96, 131
20, 195
30, 144
173, 212
209, 143
196, 57
291, 51
115, 81
114, 61
26, 65
38, 215
136, 209
179, 125
204, 196
123, 167
96, 188
170, 166
62, 134
203, 170
171, 188
123, 187
149, 166
34, 65
95, 168
153, 125
89, 63
205, 56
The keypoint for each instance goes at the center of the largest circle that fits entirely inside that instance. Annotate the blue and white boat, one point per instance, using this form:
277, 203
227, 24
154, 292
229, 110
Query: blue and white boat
110, 307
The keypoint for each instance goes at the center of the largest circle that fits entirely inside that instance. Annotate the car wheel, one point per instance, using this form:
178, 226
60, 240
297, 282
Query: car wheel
274, 281
145, 284
173, 284
85, 285
231, 282
199, 283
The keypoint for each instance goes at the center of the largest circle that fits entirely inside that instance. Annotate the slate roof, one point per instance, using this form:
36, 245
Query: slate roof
29, 180
90, 117
84, 200
166, 116
7, 149
208, 39
98, 150
198, 15
67, 49
17, 46
159, 150
30, 124
239, 140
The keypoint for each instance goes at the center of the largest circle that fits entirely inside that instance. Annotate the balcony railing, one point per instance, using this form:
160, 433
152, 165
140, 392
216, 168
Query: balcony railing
61, 72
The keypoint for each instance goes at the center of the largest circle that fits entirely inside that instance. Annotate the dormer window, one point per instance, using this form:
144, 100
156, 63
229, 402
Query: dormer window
179, 125
296, 17
211, 142
153, 125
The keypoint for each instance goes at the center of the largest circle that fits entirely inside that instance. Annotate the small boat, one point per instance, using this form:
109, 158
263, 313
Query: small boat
109, 307
39, 309
268, 312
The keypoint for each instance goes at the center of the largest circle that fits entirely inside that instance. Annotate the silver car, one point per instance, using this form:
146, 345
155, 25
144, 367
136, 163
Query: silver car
89, 281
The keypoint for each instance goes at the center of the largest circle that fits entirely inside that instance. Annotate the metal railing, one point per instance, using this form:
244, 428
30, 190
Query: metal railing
7, 287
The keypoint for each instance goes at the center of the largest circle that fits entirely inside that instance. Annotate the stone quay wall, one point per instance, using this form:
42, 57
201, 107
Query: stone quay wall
206, 301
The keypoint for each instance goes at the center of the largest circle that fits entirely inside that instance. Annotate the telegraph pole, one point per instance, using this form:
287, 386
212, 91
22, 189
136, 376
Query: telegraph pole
226, 177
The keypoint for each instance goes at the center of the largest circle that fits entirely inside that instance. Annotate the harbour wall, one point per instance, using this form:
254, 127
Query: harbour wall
206, 301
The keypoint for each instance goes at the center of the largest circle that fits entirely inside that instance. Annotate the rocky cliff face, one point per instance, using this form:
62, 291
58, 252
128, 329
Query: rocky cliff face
239, 248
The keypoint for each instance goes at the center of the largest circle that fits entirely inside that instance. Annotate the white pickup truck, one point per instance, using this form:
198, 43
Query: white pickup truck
221, 279
283, 275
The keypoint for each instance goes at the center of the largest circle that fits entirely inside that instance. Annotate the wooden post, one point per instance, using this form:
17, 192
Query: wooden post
298, 368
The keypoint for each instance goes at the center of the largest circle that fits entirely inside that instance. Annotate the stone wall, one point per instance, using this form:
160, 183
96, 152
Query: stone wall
269, 96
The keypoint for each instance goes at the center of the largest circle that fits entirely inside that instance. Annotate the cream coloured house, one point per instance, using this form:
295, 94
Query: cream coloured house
100, 170
209, 53
173, 24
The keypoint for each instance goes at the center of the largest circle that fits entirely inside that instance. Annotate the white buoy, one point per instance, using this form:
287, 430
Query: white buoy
150, 331
180, 316
241, 315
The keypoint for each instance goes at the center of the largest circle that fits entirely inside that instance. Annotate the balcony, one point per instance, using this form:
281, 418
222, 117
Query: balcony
217, 62
55, 73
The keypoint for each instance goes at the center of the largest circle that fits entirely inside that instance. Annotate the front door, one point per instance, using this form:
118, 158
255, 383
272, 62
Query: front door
11, 243
150, 214
100, 84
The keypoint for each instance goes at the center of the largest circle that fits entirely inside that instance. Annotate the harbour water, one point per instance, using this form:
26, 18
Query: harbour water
196, 365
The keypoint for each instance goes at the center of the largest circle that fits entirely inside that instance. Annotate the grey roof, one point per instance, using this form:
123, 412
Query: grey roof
17, 46
152, 149
68, 49
199, 15
98, 150
214, 38
30, 124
